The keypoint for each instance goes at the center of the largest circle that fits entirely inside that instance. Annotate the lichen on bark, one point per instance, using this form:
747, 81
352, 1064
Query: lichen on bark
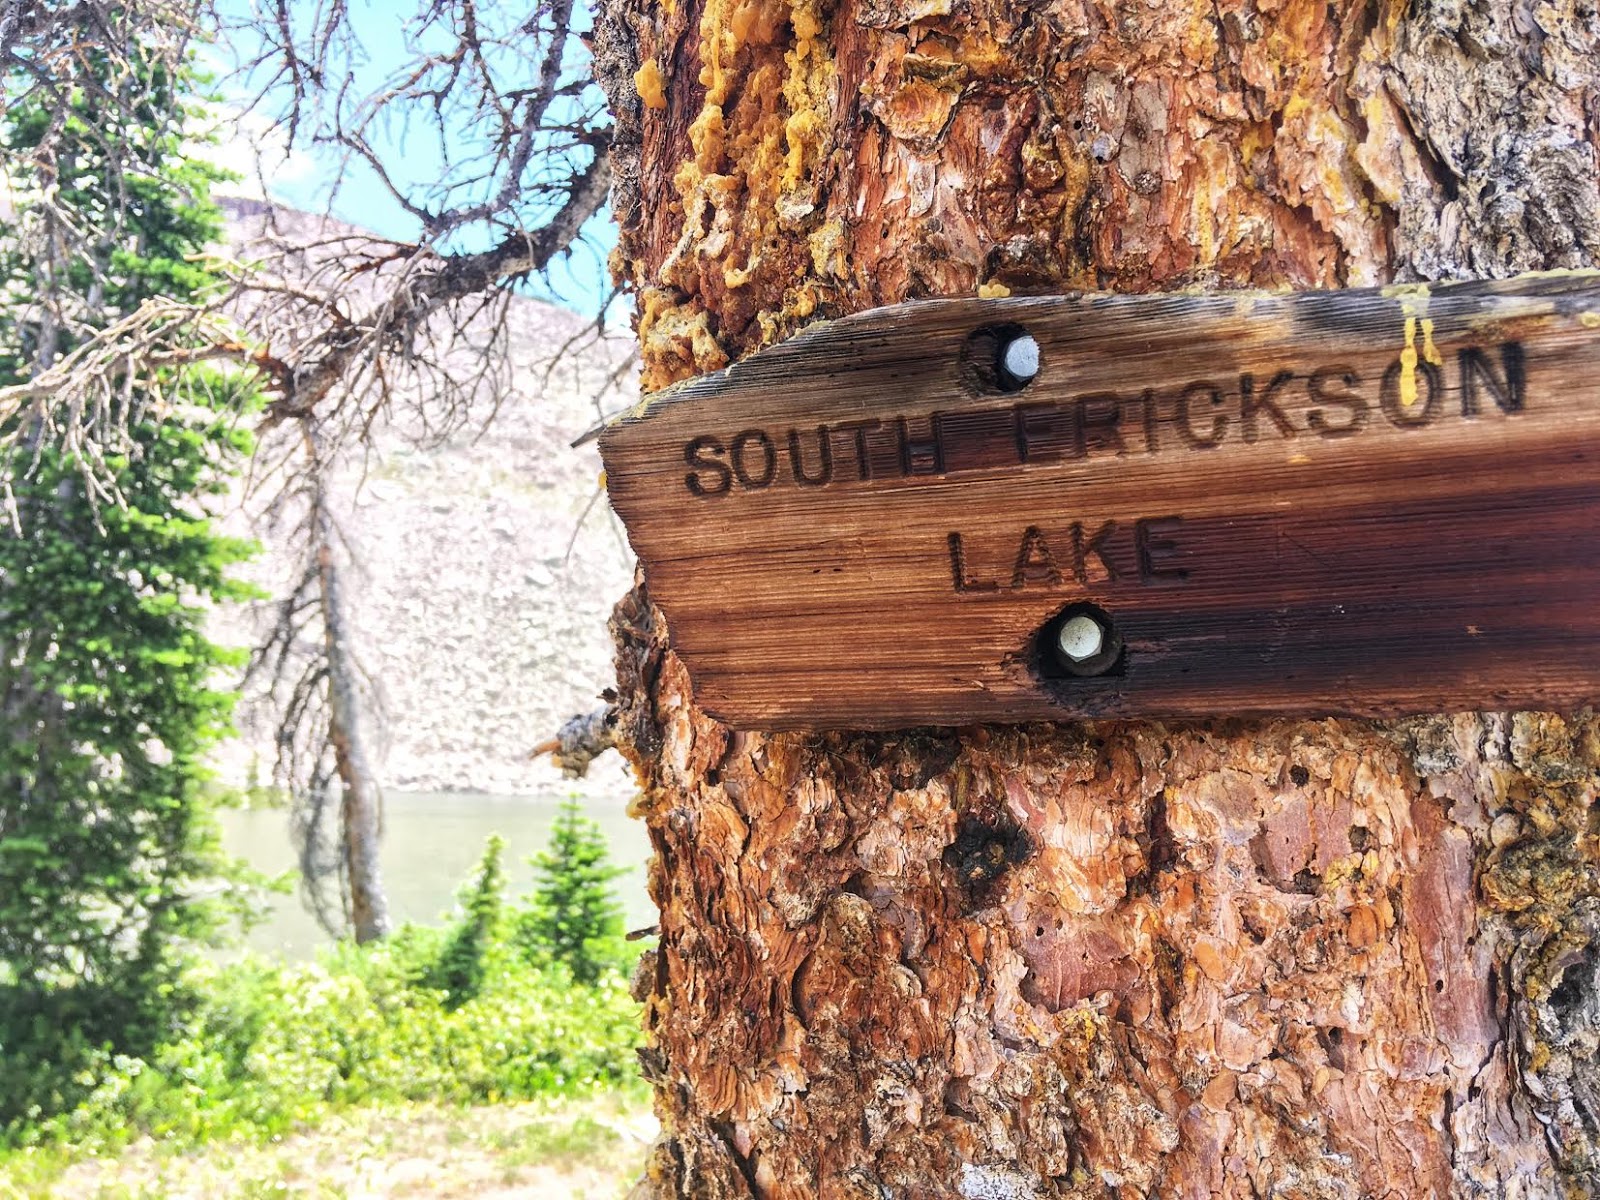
1278, 958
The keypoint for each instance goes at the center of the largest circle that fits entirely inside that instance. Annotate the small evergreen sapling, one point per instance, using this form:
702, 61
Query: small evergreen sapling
462, 964
573, 915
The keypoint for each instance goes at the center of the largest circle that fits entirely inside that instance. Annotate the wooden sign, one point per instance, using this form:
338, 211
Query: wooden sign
1357, 502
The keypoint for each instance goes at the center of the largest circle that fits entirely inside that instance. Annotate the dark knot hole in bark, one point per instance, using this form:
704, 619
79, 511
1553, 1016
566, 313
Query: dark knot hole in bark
986, 846
1575, 1001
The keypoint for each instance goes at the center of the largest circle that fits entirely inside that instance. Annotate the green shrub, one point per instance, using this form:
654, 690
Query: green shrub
457, 1014
274, 1046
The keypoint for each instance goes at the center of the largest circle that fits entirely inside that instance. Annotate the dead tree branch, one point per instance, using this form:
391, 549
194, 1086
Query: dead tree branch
580, 741
338, 329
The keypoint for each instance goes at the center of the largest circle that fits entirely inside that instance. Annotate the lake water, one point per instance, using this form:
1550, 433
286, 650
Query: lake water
432, 841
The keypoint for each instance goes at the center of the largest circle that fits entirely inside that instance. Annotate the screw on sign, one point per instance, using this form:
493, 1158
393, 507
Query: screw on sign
1366, 501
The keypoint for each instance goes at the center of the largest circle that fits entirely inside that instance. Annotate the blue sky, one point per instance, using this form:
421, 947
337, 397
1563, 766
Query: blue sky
306, 179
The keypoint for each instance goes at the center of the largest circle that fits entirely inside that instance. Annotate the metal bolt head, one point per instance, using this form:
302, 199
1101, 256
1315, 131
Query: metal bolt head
1080, 638
1019, 357
1082, 641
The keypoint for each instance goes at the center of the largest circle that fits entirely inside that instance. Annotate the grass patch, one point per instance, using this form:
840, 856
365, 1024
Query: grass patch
593, 1147
556, 1142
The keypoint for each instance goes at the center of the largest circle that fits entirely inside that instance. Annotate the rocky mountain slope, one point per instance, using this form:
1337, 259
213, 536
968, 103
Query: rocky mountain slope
485, 569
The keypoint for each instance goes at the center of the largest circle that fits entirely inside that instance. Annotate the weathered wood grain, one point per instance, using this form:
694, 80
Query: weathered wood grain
1354, 502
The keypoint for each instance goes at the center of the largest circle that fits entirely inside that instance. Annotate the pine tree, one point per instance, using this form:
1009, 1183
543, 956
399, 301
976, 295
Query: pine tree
108, 684
573, 915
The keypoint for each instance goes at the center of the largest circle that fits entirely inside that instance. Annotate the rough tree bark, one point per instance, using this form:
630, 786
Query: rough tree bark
1311, 959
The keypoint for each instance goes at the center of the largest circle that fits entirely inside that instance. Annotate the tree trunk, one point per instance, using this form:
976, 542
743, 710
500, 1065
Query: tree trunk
361, 798
1296, 959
